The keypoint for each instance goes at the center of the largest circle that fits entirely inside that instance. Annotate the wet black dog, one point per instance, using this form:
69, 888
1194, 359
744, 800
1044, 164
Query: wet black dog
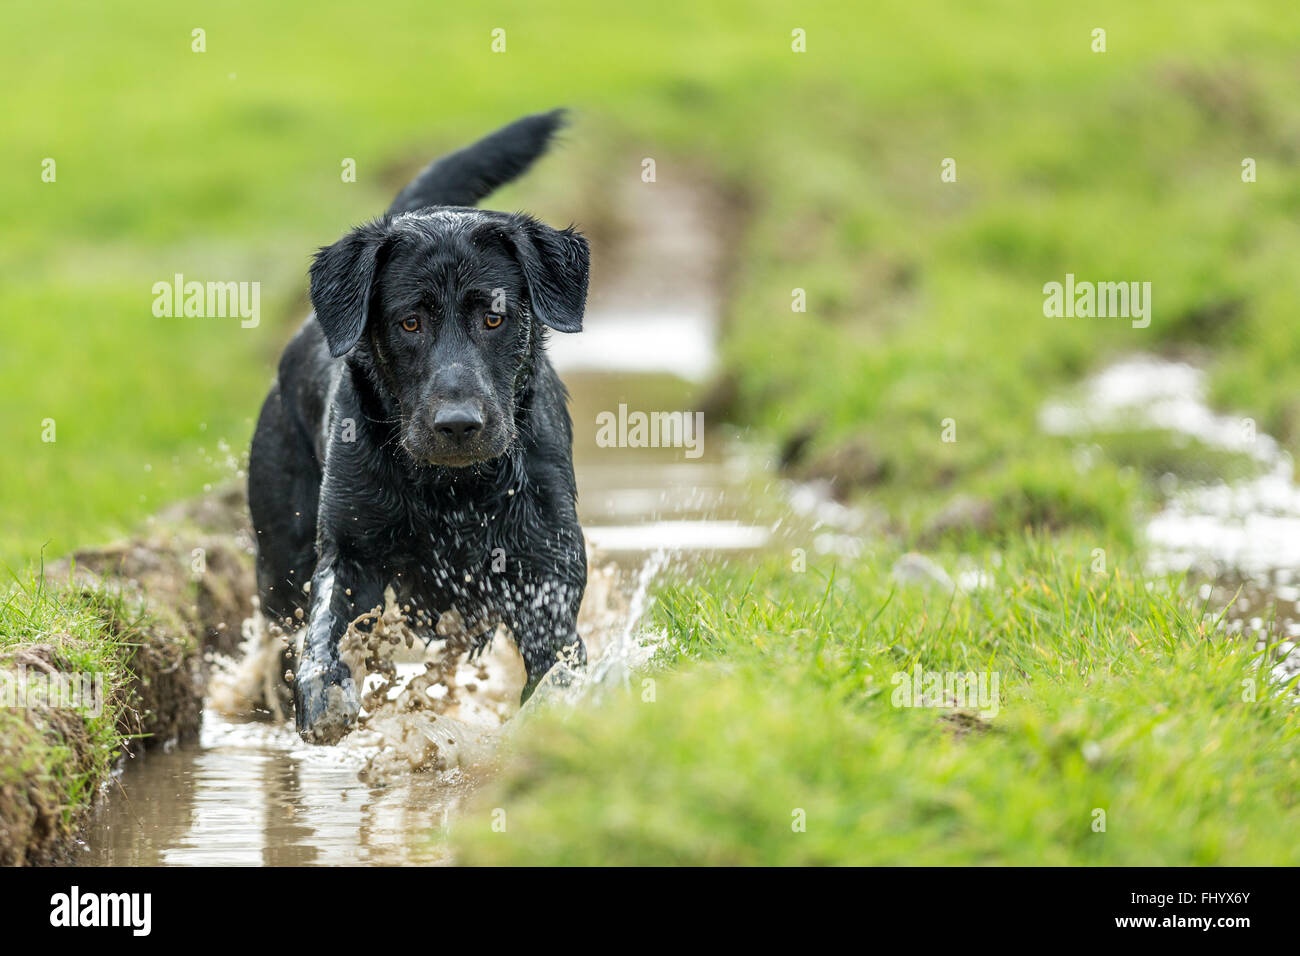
418, 436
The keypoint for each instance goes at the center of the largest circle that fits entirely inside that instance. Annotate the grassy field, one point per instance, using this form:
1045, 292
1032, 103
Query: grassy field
924, 304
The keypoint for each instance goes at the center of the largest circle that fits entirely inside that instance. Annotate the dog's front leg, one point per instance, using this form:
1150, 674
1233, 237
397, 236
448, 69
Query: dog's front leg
326, 698
543, 618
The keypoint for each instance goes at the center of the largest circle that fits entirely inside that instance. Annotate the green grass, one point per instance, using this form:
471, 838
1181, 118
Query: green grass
775, 695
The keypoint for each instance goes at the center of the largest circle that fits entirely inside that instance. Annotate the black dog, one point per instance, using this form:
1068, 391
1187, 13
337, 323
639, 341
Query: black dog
418, 437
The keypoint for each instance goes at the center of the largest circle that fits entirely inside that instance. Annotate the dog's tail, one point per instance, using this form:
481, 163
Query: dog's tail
466, 176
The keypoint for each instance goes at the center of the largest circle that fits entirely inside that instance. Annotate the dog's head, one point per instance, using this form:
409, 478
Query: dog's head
442, 309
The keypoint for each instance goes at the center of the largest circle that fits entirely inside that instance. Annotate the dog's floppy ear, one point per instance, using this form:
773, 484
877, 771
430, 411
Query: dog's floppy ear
341, 280
555, 264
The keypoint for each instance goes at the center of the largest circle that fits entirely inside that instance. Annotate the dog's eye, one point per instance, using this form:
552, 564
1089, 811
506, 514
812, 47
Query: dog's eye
493, 319
411, 323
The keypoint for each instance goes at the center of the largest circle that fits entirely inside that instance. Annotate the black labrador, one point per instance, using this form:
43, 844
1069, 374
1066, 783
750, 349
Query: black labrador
417, 435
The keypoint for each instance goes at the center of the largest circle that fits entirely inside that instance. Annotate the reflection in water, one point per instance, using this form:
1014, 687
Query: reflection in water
252, 794
1250, 526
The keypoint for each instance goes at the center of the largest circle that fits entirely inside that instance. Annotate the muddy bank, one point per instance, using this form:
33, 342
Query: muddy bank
139, 616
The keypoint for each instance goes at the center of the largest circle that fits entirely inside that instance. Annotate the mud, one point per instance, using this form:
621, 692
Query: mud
195, 568
36, 819
847, 469
433, 727
196, 588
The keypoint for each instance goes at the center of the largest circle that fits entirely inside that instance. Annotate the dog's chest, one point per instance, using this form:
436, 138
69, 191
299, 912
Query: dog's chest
443, 554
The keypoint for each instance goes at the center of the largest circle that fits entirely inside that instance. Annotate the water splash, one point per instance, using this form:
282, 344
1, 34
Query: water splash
433, 708
614, 661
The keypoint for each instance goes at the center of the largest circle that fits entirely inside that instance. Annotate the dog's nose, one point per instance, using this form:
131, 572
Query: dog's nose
458, 422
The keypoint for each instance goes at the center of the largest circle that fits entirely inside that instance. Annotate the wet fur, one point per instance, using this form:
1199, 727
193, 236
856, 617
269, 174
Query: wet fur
355, 517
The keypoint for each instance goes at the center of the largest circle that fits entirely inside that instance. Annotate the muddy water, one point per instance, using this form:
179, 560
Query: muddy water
250, 792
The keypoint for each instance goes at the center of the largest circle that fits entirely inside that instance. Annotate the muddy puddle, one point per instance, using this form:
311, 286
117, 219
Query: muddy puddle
250, 792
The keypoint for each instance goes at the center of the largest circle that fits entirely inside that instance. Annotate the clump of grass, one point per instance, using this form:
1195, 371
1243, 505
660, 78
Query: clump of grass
53, 759
1130, 730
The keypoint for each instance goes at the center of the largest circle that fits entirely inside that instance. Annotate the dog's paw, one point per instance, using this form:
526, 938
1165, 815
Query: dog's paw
326, 703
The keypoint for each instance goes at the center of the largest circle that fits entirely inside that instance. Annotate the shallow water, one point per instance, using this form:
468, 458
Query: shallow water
253, 794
